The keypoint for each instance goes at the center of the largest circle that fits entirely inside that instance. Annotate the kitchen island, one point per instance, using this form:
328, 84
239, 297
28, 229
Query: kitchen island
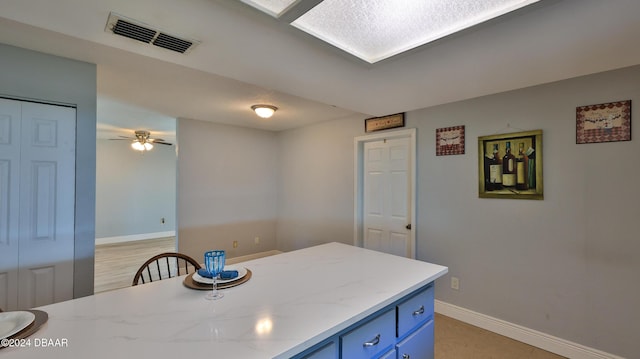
302, 303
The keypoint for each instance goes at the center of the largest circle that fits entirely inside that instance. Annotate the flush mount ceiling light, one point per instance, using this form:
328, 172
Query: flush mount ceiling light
264, 111
376, 30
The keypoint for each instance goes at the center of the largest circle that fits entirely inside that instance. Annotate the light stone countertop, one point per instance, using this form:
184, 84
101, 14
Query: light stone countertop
292, 301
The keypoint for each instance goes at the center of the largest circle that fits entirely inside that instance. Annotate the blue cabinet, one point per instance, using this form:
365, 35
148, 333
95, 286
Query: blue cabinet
402, 330
328, 351
418, 344
415, 311
391, 354
371, 339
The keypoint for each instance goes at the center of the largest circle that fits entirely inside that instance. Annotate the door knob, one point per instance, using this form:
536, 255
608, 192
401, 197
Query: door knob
408, 226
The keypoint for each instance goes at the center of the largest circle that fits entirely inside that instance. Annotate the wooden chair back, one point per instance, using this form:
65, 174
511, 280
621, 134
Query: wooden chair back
164, 266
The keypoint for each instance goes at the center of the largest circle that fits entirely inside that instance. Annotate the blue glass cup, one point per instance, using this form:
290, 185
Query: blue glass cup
214, 263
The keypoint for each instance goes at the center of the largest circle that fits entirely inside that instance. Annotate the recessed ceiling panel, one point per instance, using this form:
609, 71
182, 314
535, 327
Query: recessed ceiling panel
272, 7
374, 30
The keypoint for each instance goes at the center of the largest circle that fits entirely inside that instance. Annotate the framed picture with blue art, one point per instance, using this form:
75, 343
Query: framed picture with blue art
510, 165
605, 122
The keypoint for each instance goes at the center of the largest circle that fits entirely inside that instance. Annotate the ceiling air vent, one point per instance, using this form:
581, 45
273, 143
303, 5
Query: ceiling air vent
133, 31
172, 43
139, 31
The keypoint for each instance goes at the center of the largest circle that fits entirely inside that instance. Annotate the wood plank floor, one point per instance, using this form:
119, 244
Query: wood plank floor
116, 264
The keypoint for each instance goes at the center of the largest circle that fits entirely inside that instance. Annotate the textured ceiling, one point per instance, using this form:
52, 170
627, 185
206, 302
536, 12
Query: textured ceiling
376, 30
271, 7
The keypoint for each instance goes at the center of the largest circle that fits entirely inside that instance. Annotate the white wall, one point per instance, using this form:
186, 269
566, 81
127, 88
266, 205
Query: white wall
226, 188
566, 266
134, 190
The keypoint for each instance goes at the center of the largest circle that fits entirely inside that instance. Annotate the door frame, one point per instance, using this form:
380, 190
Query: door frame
358, 143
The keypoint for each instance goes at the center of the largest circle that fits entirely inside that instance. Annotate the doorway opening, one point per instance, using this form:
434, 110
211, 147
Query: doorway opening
135, 190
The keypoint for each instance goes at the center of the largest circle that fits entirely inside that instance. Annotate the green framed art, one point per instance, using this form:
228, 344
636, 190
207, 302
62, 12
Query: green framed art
510, 166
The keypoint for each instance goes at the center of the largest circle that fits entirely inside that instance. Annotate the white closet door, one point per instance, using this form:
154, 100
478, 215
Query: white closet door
47, 196
9, 201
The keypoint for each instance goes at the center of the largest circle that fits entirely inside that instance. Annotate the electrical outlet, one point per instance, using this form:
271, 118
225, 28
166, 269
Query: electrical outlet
257, 240
235, 244
455, 283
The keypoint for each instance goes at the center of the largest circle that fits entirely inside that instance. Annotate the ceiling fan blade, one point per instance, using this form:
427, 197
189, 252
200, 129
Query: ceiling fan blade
142, 137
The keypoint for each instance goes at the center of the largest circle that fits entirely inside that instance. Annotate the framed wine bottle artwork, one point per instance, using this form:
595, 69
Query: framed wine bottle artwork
510, 165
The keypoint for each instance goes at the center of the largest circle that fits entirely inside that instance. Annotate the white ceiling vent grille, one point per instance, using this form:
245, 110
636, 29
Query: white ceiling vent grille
136, 30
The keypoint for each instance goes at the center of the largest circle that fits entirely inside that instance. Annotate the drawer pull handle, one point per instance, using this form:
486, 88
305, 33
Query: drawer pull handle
419, 311
406, 356
373, 342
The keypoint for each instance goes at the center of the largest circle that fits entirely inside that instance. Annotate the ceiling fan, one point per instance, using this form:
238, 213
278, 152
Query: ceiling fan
142, 141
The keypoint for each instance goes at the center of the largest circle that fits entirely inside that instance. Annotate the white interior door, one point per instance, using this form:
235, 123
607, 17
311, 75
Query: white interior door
10, 113
387, 194
47, 197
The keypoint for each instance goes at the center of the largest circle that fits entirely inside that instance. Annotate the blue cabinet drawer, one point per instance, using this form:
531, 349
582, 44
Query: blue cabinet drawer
415, 311
370, 339
326, 352
418, 345
391, 354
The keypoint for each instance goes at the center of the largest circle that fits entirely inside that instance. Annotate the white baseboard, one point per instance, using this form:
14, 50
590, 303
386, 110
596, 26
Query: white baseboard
529, 336
134, 237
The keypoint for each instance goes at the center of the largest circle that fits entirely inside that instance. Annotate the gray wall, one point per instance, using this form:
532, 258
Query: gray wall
226, 188
566, 266
316, 184
134, 190
26, 74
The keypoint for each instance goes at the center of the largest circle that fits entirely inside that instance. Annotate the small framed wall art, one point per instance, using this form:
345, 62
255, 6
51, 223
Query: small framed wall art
510, 165
384, 122
606, 122
450, 141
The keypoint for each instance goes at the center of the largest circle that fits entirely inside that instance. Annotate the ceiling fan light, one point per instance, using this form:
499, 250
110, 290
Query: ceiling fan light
264, 111
147, 146
137, 146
